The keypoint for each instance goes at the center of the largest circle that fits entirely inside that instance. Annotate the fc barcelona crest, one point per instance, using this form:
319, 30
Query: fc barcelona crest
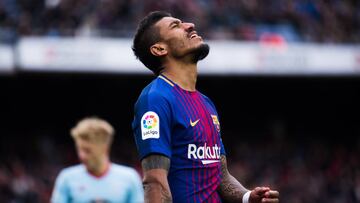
216, 122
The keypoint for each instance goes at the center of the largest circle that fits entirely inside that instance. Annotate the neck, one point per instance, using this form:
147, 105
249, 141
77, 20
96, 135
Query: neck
183, 74
100, 168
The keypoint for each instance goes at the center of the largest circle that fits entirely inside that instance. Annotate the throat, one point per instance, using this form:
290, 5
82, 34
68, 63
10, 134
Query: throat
184, 77
100, 171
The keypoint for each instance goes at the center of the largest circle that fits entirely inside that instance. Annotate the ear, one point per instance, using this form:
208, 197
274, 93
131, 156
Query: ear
158, 49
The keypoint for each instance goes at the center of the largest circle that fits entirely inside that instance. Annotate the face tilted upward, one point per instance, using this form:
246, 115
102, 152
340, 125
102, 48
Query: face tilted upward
181, 39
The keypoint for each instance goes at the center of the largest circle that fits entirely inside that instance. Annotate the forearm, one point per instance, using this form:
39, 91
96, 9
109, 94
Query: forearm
156, 187
230, 189
155, 190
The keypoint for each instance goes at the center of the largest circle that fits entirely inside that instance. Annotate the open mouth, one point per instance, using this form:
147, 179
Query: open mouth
193, 34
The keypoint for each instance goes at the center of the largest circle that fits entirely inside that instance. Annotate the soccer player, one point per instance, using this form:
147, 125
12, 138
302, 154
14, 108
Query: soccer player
176, 128
96, 179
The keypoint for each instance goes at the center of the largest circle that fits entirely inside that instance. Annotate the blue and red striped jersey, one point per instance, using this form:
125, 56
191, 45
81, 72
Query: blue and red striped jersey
184, 126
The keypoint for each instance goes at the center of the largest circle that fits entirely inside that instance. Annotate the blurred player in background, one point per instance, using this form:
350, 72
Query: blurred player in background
177, 130
96, 179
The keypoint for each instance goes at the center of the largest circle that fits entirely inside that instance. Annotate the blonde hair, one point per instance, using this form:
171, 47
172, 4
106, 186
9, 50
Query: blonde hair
93, 129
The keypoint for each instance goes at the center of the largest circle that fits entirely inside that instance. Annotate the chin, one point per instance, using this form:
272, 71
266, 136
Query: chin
200, 52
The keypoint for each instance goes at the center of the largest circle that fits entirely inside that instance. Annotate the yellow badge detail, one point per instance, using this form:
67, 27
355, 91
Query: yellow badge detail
215, 119
216, 122
194, 123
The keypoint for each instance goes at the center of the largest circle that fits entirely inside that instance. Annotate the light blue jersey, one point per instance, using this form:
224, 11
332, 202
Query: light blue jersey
119, 184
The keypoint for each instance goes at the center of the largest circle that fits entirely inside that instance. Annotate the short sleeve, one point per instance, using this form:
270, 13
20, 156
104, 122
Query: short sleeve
152, 125
60, 192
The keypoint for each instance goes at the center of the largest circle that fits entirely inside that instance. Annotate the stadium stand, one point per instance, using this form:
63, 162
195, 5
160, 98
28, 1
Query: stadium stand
296, 20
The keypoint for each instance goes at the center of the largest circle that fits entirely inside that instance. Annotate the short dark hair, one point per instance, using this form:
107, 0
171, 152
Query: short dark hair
146, 35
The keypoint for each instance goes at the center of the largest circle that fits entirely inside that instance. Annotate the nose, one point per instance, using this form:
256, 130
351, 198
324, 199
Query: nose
189, 26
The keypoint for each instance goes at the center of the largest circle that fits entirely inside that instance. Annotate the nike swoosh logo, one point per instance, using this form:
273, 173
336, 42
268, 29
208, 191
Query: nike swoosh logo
194, 123
209, 161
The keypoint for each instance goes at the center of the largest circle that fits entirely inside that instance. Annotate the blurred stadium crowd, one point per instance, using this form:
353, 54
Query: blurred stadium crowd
303, 172
329, 21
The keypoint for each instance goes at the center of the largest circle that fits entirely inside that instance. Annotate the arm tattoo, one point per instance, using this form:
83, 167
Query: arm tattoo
224, 169
230, 189
156, 187
155, 161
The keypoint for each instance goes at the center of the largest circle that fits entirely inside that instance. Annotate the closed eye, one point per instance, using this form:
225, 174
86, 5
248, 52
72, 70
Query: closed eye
175, 24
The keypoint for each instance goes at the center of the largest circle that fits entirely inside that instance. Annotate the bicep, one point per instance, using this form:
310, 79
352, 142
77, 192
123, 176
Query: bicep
156, 186
155, 168
155, 161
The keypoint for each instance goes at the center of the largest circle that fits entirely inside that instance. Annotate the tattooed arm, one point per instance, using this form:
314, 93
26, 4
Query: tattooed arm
232, 191
156, 187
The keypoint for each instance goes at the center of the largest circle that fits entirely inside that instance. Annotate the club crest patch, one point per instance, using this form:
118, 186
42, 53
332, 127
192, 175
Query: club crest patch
216, 122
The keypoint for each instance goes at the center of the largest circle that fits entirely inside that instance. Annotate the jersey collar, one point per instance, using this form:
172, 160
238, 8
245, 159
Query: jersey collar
163, 77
